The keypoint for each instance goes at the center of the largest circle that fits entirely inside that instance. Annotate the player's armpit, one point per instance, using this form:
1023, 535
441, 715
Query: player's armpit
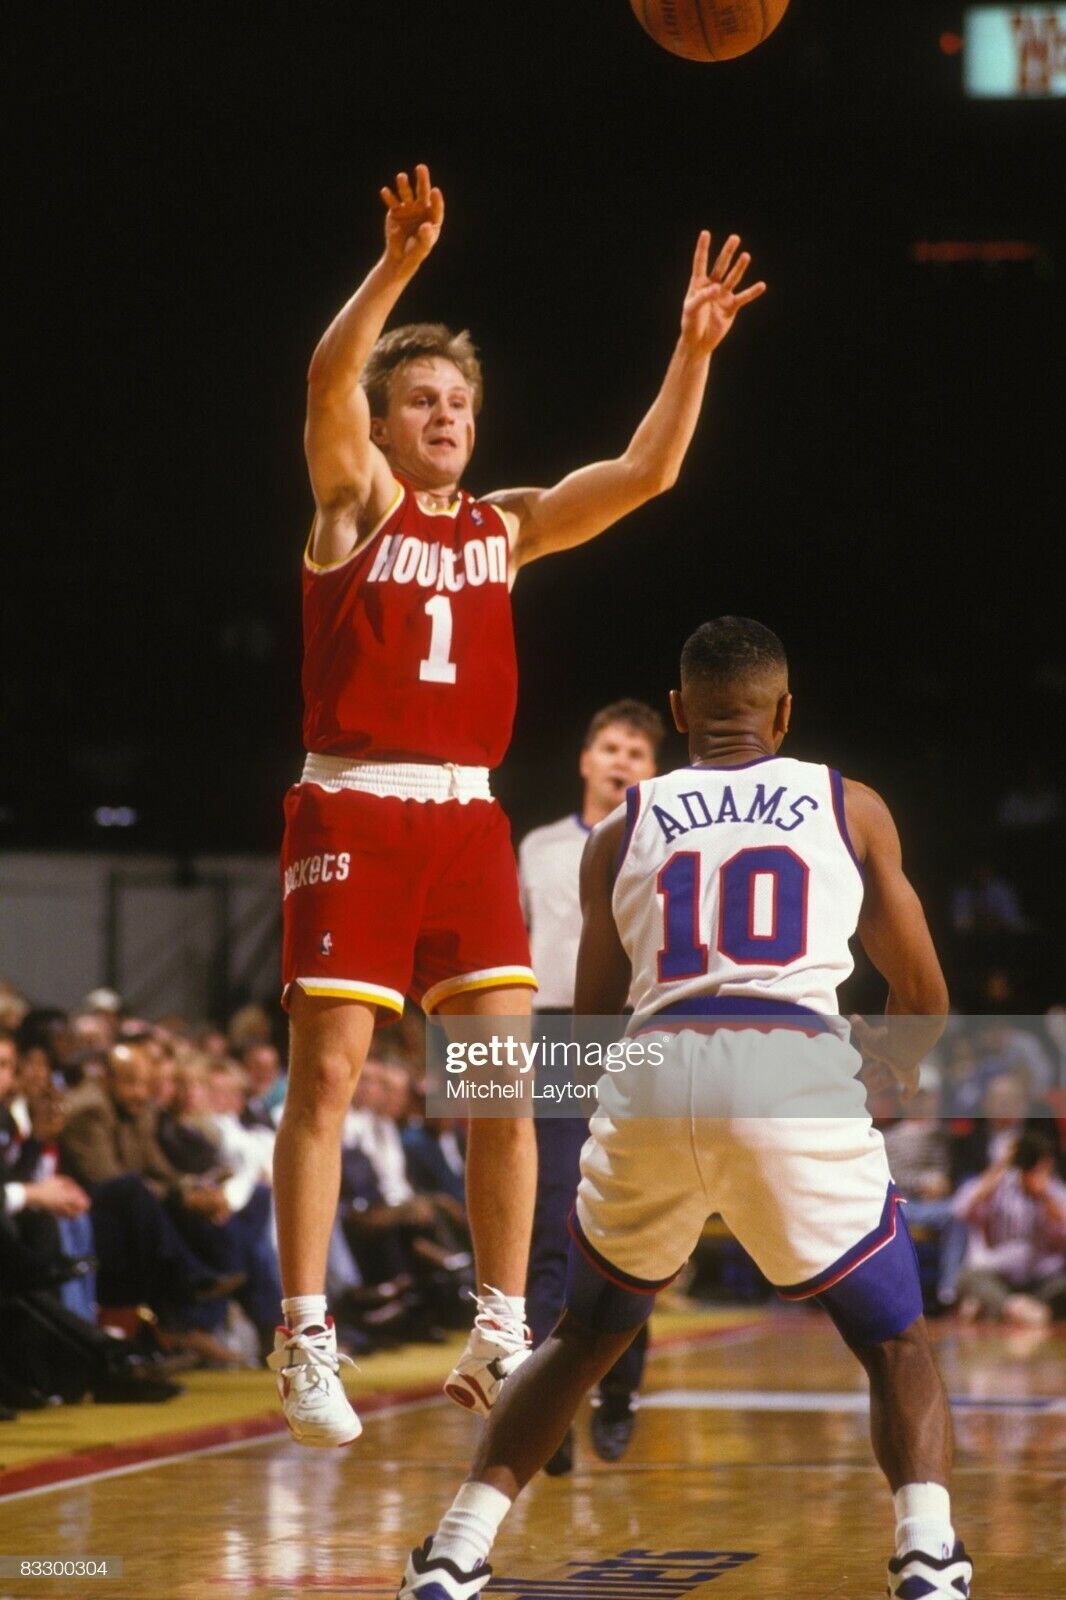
603, 969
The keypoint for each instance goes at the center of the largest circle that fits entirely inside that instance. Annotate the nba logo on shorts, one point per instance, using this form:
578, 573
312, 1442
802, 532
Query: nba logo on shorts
326, 947
476, 516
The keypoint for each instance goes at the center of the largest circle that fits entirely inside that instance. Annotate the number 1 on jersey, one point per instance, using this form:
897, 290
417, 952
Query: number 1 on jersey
437, 668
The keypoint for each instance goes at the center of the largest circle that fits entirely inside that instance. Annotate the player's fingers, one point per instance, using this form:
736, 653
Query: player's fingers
749, 295
403, 185
699, 258
388, 197
436, 207
741, 265
725, 256
422, 184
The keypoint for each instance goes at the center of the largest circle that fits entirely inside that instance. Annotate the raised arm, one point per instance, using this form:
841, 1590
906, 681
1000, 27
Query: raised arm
352, 482
591, 499
603, 968
896, 937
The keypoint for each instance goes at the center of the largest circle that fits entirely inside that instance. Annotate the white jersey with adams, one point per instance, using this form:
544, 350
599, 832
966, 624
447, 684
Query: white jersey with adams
549, 872
738, 883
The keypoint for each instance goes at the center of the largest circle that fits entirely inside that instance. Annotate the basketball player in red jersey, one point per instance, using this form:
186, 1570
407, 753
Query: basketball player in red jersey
399, 875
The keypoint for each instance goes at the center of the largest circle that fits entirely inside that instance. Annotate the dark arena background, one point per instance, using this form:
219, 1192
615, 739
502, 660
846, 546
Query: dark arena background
877, 475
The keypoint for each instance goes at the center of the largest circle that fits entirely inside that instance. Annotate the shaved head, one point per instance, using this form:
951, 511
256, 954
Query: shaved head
733, 663
734, 695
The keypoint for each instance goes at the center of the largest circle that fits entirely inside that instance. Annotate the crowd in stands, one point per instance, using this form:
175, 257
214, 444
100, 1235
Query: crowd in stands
137, 1233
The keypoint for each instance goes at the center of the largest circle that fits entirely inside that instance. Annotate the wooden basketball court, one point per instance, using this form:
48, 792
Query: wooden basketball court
749, 1475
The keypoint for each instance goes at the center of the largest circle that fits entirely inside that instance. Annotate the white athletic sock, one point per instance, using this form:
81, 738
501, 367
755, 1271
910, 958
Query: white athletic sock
304, 1311
507, 1307
923, 1520
467, 1531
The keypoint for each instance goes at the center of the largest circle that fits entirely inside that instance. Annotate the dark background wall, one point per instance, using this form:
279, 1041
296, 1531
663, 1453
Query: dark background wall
878, 474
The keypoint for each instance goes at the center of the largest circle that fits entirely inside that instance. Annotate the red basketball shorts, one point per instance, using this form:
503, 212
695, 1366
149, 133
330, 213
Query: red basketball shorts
386, 897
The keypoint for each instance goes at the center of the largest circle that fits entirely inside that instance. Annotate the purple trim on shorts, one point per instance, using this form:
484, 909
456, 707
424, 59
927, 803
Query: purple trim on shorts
606, 1269
874, 1241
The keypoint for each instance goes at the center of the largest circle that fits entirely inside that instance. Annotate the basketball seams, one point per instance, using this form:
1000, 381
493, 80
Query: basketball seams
697, 6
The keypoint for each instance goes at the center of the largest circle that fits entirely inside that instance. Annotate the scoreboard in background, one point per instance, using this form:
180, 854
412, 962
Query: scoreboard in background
1015, 52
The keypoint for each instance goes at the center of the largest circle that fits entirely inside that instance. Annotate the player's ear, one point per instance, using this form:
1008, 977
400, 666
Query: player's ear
379, 432
782, 717
677, 711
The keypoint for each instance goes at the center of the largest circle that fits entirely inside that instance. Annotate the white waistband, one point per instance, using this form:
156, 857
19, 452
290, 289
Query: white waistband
400, 780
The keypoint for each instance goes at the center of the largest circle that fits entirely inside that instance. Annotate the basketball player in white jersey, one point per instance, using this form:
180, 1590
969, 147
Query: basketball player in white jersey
722, 898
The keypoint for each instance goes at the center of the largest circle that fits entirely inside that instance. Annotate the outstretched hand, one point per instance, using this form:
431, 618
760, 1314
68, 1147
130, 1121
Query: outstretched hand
412, 219
713, 299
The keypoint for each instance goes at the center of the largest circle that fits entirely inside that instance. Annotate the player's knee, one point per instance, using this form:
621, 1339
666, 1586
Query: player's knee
320, 1088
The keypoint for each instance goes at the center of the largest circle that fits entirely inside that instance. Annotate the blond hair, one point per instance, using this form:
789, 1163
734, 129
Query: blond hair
417, 341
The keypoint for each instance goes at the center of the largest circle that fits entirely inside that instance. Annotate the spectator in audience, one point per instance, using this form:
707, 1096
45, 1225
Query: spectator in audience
142, 1210
1005, 1048
963, 1087
203, 1137
1008, 1112
1016, 1213
10, 1133
435, 1158
93, 1032
13, 1007
266, 1084
987, 904
392, 1231
61, 1233
249, 1025
1031, 806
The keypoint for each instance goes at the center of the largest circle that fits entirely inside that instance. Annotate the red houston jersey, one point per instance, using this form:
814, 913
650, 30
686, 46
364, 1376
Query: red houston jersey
409, 644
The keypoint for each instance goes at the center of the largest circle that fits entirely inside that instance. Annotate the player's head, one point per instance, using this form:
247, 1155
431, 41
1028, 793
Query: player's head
734, 683
621, 747
423, 384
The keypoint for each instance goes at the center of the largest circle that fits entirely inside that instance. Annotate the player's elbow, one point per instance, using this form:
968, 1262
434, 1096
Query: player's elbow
649, 477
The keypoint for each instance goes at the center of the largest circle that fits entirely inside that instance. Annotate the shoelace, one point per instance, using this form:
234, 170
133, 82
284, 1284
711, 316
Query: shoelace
322, 1359
488, 1320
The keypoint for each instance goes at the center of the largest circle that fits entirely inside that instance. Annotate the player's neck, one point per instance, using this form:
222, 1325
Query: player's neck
437, 499
729, 750
433, 496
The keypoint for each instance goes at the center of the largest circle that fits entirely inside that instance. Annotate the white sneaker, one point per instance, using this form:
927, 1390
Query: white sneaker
427, 1579
494, 1350
312, 1395
917, 1576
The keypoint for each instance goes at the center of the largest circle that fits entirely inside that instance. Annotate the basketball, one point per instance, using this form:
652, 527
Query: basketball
709, 30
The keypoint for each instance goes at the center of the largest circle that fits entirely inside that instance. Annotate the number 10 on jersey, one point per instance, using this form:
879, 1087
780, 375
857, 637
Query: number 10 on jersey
761, 911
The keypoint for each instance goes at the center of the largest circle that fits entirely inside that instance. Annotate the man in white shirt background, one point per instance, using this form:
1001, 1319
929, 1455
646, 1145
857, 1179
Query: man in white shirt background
620, 748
